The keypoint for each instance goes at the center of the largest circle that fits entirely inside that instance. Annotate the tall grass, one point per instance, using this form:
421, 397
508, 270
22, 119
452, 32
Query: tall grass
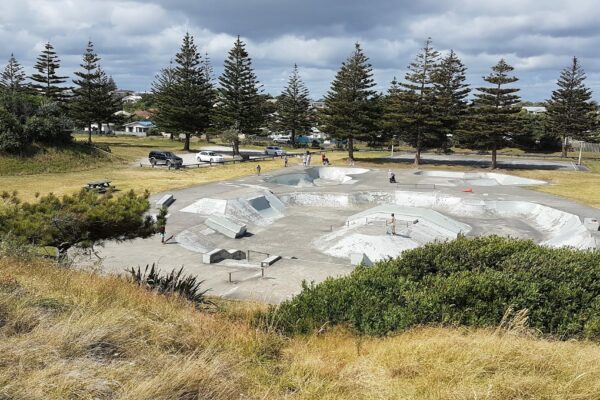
70, 334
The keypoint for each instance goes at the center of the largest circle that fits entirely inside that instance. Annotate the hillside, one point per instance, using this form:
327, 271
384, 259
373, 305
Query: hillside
70, 334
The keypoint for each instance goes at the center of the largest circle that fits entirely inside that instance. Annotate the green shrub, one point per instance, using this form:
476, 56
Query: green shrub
469, 281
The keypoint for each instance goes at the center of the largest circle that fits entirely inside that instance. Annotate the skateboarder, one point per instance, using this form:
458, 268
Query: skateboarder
258, 169
392, 224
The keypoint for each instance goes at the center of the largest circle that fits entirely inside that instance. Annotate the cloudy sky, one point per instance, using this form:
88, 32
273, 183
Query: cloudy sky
136, 38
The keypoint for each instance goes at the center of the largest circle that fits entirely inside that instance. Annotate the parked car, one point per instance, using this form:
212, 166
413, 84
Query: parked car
164, 157
209, 156
282, 139
274, 151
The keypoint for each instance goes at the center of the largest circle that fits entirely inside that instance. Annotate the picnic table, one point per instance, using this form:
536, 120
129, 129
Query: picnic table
99, 186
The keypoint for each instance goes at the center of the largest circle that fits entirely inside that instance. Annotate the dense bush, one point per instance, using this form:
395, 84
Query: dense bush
469, 281
12, 136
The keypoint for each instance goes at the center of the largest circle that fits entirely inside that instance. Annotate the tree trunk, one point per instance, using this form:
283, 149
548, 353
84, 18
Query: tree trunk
564, 147
351, 148
418, 157
186, 143
236, 147
494, 150
89, 133
293, 138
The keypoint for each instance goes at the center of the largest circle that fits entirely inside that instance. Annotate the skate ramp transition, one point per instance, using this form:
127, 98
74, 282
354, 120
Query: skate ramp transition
318, 176
260, 208
560, 227
443, 225
481, 178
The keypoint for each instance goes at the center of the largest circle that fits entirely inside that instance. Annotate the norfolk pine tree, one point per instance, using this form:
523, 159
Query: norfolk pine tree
239, 103
84, 107
293, 107
571, 108
494, 111
411, 109
183, 93
14, 91
108, 103
451, 93
351, 105
46, 81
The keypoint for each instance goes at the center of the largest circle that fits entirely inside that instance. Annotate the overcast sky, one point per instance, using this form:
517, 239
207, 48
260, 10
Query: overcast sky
137, 38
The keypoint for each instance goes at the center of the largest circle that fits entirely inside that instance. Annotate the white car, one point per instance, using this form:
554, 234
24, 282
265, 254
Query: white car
274, 151
209, 156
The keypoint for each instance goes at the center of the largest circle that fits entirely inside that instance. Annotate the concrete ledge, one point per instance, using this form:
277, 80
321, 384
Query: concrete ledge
269, 261
226, 226
165, 201
218, 255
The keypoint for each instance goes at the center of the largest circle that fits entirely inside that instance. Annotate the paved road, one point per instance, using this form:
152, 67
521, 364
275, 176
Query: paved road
485, 161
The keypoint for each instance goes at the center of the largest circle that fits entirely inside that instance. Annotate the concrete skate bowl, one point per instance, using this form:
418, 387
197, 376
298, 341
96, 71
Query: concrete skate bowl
558, 228
544, 224
480, 178
369, 232
318, 176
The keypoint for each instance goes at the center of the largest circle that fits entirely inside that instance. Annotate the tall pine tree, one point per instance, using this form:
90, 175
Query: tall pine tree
84, 106
13, 77
13, 90
46, 80
351, 105
494, 111
411, 109
571, 108
184, 94
293, 106
108, 102
239, 103
451, 93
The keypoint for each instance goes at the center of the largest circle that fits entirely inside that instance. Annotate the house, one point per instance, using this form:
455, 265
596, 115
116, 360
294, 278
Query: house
143, 114
534, 110
317, 105
106, 128
139, 128
132, 98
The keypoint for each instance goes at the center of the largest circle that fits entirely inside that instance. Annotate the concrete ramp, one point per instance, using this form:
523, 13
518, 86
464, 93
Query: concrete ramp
561, 228
207, 206
446, 226
226, 226
319, 176
481, 178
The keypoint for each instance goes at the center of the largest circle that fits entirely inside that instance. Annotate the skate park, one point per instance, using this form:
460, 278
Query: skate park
260, 237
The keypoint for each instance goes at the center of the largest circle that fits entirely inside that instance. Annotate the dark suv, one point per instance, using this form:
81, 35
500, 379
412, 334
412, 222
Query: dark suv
164, 157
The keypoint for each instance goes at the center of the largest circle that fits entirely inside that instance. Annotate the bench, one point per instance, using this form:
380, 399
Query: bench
226, 226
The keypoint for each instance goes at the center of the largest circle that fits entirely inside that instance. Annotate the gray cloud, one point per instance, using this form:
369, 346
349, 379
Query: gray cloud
136, 38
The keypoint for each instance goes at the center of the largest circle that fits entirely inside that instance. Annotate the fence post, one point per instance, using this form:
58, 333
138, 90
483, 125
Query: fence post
229, 277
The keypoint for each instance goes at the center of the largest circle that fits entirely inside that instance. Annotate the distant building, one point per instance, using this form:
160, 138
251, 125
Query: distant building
143, 114
106, 128
132, 98
318, 105
140, 128
534, 110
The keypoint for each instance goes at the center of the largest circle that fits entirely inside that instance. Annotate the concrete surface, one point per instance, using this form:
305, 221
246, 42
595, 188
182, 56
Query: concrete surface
308, 227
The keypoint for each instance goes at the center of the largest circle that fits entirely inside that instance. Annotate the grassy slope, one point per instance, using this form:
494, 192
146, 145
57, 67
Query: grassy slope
69, 334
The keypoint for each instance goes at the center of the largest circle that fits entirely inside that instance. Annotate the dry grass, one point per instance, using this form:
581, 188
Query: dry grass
583, 187
69, 334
